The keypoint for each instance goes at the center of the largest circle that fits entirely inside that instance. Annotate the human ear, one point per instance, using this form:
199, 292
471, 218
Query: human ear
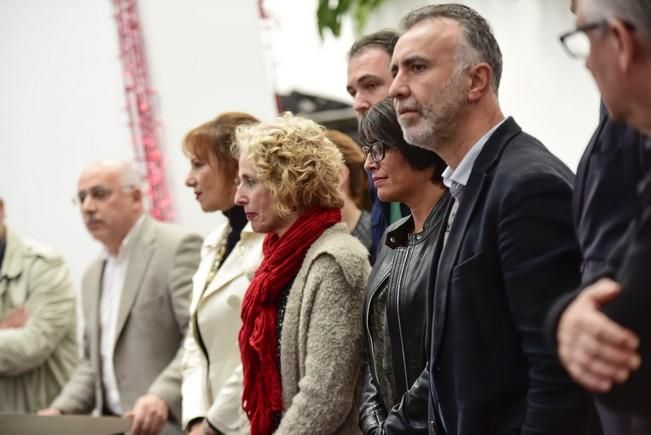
481, 77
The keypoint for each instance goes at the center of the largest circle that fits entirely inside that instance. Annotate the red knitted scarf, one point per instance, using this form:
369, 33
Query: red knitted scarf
283, 257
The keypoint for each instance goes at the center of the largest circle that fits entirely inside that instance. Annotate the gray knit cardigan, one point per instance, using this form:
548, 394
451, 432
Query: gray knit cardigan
321, 338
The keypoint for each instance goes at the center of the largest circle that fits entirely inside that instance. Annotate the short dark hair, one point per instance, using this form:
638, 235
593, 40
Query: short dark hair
476, 32
384, 39
380, 124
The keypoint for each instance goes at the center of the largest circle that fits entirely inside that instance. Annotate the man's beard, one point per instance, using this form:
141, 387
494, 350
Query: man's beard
440, 118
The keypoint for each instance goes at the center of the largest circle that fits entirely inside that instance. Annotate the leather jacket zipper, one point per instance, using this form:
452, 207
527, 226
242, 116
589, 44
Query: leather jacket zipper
368, 327
402, 343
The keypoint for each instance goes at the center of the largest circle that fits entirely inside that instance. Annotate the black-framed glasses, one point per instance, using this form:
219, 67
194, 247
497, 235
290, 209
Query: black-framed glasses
577, 43
376, 150
98, 193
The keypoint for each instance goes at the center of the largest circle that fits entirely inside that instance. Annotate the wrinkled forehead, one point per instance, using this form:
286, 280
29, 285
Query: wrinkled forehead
431, 37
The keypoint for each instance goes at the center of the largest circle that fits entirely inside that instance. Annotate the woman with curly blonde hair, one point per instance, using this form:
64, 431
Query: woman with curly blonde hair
301, 335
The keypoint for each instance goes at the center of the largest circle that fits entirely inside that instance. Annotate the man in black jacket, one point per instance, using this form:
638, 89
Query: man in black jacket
510, 251
601, 353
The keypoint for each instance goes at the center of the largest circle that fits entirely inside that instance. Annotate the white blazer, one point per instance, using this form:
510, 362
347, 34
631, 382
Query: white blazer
212, 371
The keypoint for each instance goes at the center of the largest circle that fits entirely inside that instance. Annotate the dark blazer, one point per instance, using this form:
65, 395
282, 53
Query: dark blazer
510, 254
612, 165
630, 309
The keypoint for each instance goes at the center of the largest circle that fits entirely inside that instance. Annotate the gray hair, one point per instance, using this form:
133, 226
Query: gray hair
635, 12
127, 172
479, 43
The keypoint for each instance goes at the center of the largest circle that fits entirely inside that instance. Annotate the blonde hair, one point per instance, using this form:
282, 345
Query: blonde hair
295, 160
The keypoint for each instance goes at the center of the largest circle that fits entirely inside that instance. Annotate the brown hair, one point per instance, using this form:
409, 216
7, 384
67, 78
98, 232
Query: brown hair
354, 161
212, 141
384, 39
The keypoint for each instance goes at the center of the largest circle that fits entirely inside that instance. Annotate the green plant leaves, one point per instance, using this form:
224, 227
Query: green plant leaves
330, 13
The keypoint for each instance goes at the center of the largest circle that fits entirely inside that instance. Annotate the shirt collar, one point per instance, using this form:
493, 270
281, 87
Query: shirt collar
454, 179
124, 248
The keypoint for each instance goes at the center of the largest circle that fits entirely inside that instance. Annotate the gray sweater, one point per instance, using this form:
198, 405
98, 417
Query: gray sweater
321, 340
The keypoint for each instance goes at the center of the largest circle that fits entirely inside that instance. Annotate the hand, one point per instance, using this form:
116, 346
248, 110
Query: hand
196, 428
149, 415
16, 318
596, 351
49, 412
208, 429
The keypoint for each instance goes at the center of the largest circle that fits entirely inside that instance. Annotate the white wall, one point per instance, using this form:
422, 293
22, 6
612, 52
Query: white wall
62, 102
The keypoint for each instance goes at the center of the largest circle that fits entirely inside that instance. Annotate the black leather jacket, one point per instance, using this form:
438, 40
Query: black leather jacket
404, 267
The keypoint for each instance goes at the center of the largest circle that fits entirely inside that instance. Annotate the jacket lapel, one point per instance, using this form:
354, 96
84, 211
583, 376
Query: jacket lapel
234, 266
139, 259
228, 271
582, 170
479, 180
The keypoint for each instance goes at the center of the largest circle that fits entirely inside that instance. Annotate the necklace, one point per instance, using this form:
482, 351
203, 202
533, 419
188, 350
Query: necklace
217, 260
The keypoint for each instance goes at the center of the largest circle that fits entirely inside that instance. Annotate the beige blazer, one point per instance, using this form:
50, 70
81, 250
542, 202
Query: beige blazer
151, 324
212, 371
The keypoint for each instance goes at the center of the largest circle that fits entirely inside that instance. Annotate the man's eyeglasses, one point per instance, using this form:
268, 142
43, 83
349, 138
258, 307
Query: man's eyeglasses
98, 193
376, 150
576, 42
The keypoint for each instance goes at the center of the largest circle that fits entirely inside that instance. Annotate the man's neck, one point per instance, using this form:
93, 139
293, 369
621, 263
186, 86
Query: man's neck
114, 247
478, 122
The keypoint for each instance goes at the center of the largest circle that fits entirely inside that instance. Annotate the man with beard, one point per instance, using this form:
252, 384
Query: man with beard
135, 299
509, 251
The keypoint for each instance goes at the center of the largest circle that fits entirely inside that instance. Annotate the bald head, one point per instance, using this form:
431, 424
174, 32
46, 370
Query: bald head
111, 200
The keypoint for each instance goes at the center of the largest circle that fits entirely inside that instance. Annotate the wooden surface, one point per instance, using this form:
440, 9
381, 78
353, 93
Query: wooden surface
11, 424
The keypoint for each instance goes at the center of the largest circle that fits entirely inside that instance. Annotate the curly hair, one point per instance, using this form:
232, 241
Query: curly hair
295, 160
354, 160
212, 141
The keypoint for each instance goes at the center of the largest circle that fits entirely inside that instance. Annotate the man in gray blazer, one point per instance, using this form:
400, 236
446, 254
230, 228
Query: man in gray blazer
135, 306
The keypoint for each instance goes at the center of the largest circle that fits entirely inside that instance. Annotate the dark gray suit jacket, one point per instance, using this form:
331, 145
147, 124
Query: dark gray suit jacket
510, 254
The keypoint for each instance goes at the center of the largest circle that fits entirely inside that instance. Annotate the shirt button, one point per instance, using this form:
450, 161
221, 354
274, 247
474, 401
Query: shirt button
418, 237
392, 239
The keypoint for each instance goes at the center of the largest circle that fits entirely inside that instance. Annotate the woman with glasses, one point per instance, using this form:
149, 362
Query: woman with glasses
301, 337
395, 384
212, 371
